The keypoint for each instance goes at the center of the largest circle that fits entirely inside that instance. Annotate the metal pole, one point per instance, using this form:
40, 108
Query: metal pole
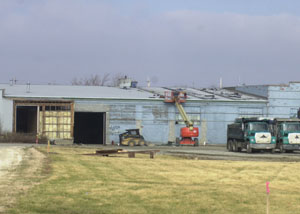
268, 204
48, 147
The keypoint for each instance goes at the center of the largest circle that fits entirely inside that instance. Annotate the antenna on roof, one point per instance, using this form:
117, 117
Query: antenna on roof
28, 87
13, 81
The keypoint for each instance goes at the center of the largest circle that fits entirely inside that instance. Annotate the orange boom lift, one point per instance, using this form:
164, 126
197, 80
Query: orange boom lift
189, 134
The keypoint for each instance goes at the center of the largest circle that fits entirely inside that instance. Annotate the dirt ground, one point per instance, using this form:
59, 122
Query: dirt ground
12, 182
10, 157
213, 152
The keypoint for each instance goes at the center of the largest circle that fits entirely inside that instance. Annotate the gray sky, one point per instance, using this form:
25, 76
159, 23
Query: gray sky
173, 42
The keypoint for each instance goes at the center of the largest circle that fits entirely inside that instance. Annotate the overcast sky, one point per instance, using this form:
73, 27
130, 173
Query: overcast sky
172, 42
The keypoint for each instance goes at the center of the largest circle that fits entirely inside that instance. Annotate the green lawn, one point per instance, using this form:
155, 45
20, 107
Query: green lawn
92, 184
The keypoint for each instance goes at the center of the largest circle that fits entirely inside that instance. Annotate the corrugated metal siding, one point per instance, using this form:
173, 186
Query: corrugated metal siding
284, 101
218, 115
156, 119
6, 114
259, 90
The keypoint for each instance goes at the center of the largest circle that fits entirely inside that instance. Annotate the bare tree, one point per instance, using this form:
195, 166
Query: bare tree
105, 79
93, 80
115, 80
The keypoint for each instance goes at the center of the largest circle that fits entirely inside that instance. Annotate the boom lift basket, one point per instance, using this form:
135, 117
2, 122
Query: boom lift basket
170, 96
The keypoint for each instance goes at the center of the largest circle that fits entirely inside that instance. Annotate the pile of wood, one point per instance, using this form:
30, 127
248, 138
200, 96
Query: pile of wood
131, 154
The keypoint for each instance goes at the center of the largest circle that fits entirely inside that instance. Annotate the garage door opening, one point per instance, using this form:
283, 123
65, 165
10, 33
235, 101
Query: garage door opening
26, 119
89, 128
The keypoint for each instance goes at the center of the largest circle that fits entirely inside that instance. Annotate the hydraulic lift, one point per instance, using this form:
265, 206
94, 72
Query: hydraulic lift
189, 134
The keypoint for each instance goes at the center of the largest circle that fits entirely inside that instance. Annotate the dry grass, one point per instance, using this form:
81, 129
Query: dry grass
93, 184
9, 137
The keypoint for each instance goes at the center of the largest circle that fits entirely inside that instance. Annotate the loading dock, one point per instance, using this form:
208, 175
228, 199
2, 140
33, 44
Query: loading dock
89, 127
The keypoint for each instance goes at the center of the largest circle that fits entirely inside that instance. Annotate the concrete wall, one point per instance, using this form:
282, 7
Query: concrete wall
6, 113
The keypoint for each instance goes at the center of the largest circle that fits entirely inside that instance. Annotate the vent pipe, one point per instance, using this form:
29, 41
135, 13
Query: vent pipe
148, 82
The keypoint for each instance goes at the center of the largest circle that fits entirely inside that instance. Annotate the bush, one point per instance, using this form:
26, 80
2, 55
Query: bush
10, 137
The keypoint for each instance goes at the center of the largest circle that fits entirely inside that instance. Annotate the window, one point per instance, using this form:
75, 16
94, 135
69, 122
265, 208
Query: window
56, 122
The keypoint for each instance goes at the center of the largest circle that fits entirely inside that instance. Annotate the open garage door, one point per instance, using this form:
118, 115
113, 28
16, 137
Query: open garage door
89, 127
26, 119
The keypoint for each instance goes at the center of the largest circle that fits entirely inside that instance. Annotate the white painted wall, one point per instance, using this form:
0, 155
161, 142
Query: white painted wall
6, 113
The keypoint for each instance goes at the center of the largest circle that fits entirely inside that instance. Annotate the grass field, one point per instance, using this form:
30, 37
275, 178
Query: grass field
92, 184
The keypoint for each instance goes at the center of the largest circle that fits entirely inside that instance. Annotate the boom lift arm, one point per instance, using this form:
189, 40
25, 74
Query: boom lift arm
183, 114
189, 133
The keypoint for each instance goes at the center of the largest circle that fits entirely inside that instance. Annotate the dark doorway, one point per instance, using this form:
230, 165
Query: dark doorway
26, 119
89, 127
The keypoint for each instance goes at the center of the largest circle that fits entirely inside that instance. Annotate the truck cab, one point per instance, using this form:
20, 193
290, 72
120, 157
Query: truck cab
249, 134
288, 134
258, 132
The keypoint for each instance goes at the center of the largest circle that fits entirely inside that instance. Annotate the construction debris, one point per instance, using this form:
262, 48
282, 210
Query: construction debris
131, 154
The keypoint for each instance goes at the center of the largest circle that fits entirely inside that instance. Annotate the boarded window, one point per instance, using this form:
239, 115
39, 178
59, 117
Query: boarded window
250, 112
157, 114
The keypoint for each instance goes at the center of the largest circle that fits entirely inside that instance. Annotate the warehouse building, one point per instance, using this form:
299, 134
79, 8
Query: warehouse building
98, 114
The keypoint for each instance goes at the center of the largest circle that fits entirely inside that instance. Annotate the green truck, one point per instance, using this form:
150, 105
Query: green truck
287, 132
251, 133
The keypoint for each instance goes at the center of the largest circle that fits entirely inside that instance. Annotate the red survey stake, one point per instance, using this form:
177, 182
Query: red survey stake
267, 187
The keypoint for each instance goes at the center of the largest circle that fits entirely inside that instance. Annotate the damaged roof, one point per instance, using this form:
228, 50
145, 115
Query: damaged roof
104, 92
207, 93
